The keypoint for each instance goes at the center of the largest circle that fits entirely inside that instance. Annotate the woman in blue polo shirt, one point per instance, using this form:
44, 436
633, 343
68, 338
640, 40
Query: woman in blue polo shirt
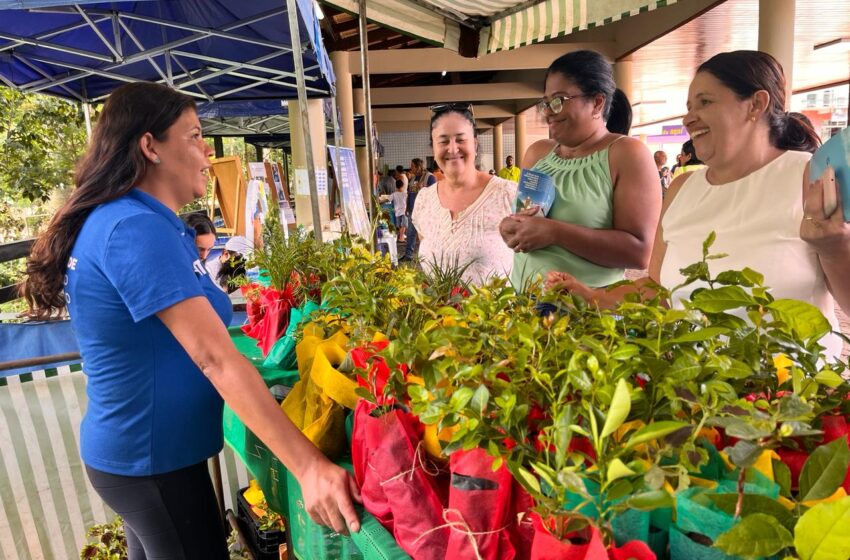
151, 328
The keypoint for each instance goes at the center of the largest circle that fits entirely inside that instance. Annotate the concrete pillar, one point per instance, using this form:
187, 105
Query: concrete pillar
361, 153
520, 136
303, 209
498, 149
776, 37
623, 77
344, 96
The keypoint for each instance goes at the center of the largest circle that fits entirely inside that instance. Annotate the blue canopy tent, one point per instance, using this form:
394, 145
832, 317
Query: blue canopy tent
262, 123
209, 49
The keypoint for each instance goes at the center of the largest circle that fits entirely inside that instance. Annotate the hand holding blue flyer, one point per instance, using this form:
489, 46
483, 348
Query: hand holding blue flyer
535, 189
834, 153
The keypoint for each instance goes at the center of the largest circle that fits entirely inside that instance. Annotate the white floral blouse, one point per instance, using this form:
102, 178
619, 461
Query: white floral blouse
472, 237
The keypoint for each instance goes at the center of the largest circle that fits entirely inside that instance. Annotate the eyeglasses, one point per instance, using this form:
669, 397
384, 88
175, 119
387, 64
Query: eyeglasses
460, 107
556, 104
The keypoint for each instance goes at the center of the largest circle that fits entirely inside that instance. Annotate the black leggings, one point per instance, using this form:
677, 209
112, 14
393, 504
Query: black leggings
169, 516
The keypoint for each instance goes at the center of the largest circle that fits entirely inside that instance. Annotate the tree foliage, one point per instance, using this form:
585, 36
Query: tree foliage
41, 138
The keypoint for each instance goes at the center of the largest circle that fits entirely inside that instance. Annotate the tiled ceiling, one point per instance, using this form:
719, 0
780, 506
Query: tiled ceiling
663, 69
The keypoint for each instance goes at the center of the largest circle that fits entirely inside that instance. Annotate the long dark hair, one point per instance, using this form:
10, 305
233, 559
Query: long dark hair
112, 166
593, 74
745, 73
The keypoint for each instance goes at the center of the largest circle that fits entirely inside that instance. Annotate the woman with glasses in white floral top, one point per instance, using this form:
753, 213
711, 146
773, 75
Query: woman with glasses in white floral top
607, 199
458, 218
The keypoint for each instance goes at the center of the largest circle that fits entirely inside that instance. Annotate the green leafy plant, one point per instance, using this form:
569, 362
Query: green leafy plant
106, 542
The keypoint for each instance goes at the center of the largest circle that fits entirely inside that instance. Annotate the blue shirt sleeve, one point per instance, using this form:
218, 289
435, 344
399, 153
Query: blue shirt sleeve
148, 263
431, 180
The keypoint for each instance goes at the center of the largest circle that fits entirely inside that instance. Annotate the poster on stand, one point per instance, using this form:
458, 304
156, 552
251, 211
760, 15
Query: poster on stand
257, 170
256, 208
345, 170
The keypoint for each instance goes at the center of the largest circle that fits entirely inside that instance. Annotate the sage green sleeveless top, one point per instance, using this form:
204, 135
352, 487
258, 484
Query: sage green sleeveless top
584, 196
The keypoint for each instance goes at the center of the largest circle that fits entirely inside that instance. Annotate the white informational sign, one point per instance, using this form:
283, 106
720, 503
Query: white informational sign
302, 182
287, 216
322, 182
345, 169
257, 170
256, 206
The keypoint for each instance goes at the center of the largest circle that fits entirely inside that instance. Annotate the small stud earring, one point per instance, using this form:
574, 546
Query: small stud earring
157, 161
753, 119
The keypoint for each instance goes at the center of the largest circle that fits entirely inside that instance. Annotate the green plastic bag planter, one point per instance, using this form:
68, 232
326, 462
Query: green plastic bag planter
314, 542
697, 515
628, 525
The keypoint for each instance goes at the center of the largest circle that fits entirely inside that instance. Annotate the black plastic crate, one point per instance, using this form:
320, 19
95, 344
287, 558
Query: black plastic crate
264, 543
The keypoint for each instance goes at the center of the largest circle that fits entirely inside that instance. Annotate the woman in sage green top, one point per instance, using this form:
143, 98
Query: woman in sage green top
607, 199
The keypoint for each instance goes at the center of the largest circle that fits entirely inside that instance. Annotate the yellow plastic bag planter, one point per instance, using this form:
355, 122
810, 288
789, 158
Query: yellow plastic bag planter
316, 403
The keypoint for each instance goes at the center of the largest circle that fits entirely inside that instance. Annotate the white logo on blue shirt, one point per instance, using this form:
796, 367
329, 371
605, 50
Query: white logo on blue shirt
199, 267
72, 263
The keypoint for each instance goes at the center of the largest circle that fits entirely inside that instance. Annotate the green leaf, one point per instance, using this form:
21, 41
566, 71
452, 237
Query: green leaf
529, 481
460, 398
829, 378
625, 352
706, 245
756, 535
821, 533
746, 429
684, 368
700, 335
792, 407
754, 503
618, 469
722, 299
619, 490
782, 476
824, 470
647, 501
744, 453
802, 318
654, 431
480, 399
621, 404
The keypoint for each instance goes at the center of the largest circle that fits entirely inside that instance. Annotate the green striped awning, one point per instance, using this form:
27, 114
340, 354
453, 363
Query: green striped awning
510, 25
556, 18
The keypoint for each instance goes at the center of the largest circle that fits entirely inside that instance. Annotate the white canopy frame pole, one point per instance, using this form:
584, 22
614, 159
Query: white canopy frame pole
337, 170
364, 65
297, 50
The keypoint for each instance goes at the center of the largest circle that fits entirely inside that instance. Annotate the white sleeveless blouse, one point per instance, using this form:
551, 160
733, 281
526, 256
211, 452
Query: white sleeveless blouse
757, 222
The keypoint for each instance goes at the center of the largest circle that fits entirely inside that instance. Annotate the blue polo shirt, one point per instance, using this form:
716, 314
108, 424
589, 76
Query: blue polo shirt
150, 409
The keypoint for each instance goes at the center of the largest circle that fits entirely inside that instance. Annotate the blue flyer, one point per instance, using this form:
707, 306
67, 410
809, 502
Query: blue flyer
836, 153
535, 189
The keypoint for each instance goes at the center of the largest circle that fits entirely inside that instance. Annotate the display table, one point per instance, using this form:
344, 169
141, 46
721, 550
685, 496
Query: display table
283, 494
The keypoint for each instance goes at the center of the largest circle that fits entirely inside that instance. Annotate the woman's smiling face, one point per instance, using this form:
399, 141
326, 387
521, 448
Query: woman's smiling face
453, 139
715, 119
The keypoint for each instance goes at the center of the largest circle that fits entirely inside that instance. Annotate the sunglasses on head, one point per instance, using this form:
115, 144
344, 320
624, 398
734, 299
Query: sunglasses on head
443, 107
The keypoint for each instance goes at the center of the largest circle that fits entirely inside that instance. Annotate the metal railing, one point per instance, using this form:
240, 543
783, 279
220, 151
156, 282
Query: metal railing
12, 252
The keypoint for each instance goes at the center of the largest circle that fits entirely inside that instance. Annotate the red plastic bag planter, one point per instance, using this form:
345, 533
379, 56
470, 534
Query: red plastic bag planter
548, 547
480, 508
268, 314
396, 484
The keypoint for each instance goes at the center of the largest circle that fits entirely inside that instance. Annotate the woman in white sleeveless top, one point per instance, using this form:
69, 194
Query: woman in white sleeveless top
754, 194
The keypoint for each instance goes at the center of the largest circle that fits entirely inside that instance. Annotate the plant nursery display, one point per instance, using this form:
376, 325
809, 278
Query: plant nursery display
490, 424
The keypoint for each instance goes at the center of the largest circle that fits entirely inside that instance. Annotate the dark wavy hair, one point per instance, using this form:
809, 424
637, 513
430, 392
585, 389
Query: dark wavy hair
745, 73
688, 149
593, 75
112, 165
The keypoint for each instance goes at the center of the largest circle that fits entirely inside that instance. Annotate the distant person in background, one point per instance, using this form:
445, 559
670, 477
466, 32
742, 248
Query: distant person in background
400, 174
420, 179
438, 173
386, 188
230, 264
204, 232
399, 202
687, 159
660, 161
607, 199
509, 171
